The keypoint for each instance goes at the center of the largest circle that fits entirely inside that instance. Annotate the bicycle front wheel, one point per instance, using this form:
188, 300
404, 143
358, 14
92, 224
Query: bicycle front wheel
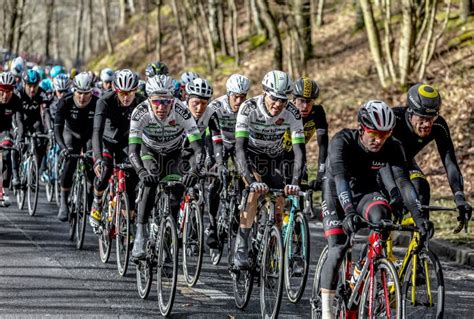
32, 185
192, 244
106, 228
381, 295
271, 274
122, 233
167, 266
423, 289
144, 272
297, 258
81, 211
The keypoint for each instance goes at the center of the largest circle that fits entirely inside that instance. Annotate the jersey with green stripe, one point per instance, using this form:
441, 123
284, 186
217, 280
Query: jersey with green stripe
162, 136
265, 132
227, 119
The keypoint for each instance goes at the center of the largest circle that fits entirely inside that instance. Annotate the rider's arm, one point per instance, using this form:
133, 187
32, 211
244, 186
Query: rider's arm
138, 121
98, 130
20, 130
322, 137
299, 150
216, 135
407, 190
59, 120
448, 157
241, 143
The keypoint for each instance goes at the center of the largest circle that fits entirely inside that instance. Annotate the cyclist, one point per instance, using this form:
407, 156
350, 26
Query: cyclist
110, 136
417, 125
156, 135
351, 187
34, 113
107, 76
61, 87
10, 106
226, 107
305, 92
187, 77
156, 68
199, 92
17, 67
261, 124
73, 132
56, 70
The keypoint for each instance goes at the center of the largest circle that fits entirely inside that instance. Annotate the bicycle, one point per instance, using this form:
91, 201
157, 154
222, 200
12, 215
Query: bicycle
78, 200
375, 293
228, 216
266, 260
4, 198
296, 242
115, 224
421, 273
29, 175
53, 165
161, 249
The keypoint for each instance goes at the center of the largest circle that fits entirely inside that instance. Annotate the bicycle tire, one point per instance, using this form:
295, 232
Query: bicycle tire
193, 239
81, 212
105, 239
216, 253
72, 220
20, 193
232, 231
122, 234
57, 183
167, 247
144, 274
423, 309
393, 296
301, 231
32, 189
272, 261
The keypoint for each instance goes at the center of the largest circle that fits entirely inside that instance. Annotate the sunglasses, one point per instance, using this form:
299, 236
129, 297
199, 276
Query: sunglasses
125, 93
164, 102
83, 92
277, 99
383, 135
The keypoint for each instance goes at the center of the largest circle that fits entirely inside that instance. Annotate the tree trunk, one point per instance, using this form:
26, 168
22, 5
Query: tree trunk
302, 10
374, 42
388, 39
105, 18
57, 35
13, 5
222, 35
234, 26
207, 34
359, 15
213, 22
124, 13
131, 5
158, 29
144, 7
183, 44
320, 17
78, 32
49, 22
273, 33
90, 28
257, 17
406, 42
193, 15
466, 7
20, 13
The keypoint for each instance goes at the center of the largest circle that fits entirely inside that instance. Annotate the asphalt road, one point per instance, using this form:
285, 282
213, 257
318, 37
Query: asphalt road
42, 274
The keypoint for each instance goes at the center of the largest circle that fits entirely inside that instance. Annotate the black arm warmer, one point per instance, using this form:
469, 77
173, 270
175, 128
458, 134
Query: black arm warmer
300, 160
407, 190
134, 156
243, 166
344, 194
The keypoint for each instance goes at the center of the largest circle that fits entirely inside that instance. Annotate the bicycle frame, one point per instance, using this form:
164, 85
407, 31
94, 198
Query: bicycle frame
295, 207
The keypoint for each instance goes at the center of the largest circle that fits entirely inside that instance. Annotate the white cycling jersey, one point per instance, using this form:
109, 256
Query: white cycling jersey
265, 132
163, 136
227, 119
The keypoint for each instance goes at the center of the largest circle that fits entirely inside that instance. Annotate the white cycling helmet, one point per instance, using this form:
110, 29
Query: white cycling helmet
237, 84
126, 80
159, 85
61, 82
18, 66
107, 75
199, 87
83, 82
7, 79
187, 77
376, 115
278, 84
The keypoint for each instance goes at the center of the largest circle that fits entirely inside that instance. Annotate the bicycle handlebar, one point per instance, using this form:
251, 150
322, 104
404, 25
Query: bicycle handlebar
389, 225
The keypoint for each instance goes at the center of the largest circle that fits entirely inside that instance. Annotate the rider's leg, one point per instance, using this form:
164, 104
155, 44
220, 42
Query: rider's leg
68, 172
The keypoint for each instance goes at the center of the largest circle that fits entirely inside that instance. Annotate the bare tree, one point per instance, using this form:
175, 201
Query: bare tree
12, 6
301, 12
222, 33
124, 13
406, 41
78, 33
466, 7
105, 18
158, 29
20, 29
273, 33
320, 17
207, 34
212, 7
182, 36
235, 40
257, 17
49, 22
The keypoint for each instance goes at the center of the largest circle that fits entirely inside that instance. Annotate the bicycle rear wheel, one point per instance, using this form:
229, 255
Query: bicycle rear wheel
122, 234
167, 266
423, 292
192, 244
381, 294
57, 172
271, 274
32, 185
297, 258
144, 272
216, 254
81, 211
106, 228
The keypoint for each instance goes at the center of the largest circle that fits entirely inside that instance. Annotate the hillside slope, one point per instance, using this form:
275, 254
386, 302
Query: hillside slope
345, 72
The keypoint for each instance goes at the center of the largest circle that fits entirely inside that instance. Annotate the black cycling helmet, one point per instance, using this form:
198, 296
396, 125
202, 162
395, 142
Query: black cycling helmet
156, 68
423, 100
306, 88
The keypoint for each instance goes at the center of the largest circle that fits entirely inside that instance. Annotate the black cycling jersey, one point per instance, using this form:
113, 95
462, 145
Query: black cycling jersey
32, 110
9, 113
413, 144
112, 121
352, 170
78, 122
